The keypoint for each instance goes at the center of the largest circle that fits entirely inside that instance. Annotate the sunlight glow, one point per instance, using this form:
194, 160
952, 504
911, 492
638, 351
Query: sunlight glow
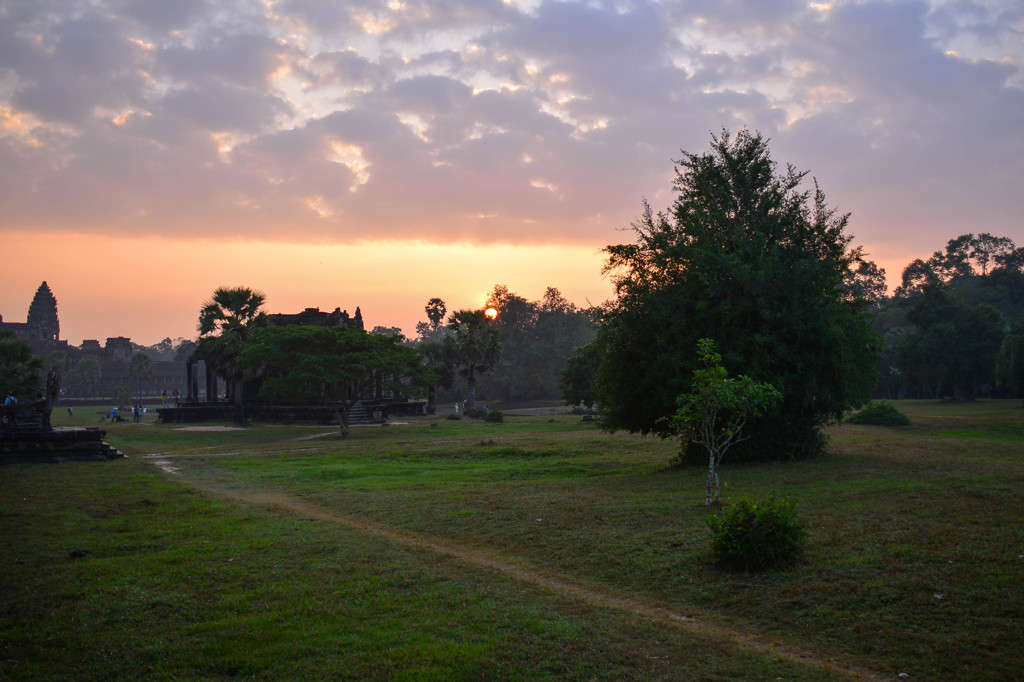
294, 276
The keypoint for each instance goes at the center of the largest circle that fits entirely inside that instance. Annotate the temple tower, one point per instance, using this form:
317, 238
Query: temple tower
42, 322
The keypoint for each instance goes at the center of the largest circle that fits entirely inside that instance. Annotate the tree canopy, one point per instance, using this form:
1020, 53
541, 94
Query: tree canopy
226, 324
748, 258
948, 329
332, 365
20, 370
477, 347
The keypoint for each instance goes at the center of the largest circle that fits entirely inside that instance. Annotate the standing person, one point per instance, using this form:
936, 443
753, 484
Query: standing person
113, 414
164, 399
176, 396
9, 403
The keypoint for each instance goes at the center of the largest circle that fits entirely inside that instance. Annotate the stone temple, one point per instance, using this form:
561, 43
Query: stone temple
42, 328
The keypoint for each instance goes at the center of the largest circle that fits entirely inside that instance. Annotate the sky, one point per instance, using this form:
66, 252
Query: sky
378, 154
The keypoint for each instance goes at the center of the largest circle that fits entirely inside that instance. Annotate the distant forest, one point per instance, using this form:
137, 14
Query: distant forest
954, 327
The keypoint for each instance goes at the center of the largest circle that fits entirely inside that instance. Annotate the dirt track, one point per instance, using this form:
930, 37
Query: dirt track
522, 573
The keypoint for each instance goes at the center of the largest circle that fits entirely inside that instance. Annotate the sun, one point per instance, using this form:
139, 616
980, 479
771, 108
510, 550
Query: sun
491, 313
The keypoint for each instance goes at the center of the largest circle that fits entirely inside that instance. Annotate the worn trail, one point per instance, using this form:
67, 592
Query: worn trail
520, 572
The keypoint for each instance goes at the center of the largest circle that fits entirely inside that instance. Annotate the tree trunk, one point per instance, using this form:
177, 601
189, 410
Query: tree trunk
470, 390
432, 400
712, 479
239, 412
341, 411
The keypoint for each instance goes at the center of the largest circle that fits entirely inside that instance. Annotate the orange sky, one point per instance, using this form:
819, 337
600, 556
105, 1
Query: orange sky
151, 288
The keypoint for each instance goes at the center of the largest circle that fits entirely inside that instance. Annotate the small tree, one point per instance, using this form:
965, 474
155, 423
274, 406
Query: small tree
717, 409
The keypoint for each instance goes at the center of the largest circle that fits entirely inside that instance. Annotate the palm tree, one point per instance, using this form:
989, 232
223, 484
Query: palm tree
477, 346
226, 323
435, 310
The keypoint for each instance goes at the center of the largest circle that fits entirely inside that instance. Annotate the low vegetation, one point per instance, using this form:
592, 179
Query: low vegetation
535, 548
755, 535
879, 414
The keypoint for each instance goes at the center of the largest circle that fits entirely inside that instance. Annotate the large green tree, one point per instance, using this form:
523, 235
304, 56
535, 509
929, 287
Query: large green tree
20, 369
335, 366
226, 324
477, 347
747, 257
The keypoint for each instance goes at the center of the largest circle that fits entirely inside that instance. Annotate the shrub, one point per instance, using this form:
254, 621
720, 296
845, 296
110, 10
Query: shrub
879, 414
753, 535
454, 416
477, 413
494, 416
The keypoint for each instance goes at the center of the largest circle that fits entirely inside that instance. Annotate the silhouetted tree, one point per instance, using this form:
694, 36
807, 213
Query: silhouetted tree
336, 366
226, 324
477, 345
748, 258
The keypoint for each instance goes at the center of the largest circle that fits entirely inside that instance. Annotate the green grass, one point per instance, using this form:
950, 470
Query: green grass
537, 548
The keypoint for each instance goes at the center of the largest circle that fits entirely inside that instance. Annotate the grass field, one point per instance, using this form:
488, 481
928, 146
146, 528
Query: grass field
537, 548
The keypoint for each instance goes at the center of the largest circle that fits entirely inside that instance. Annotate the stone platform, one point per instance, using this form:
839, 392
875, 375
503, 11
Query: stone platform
19, 446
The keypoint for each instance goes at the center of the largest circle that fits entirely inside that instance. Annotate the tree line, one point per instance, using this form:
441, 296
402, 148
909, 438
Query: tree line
954, 327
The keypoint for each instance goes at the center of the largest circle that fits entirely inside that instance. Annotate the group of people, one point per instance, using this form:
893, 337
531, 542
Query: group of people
137, 411
165, 400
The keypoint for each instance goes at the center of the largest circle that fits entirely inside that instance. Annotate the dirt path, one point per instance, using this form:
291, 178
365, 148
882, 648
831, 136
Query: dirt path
523, 573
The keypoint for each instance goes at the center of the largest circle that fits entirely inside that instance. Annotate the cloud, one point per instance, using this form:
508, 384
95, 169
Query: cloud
496, 122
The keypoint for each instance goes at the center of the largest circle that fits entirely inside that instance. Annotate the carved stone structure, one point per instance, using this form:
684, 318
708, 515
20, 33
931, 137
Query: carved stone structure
26, 434
41, 332
313, 316
42, 328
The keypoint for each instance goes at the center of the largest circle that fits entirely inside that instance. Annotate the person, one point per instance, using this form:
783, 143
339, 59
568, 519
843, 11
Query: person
113, 415
176, 396
9, 402
164, 399
71, 411
456, 408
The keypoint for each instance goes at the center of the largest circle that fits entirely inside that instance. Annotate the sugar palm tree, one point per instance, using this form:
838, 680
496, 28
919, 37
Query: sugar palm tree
226, 324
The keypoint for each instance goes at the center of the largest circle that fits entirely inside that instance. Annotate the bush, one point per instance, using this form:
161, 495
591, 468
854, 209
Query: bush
755, 535
477, 413
454, 416
494, 416
879, 414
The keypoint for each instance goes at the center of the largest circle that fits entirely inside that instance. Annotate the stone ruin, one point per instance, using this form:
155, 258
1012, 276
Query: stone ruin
26, 434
